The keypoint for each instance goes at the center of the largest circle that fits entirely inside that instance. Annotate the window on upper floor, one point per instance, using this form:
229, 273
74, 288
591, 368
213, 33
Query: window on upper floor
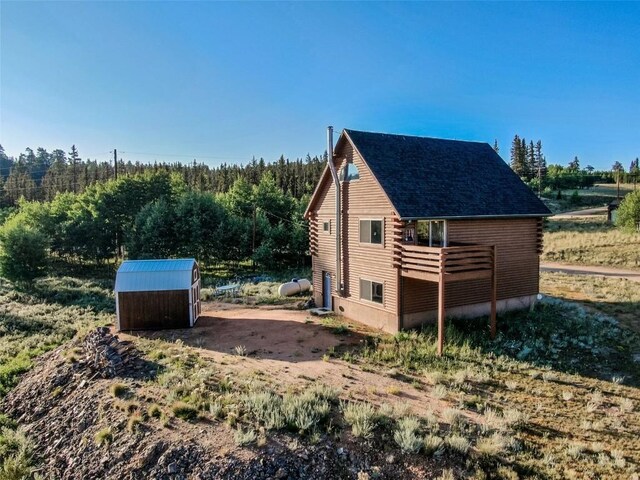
348, 173
431, 233
371, 231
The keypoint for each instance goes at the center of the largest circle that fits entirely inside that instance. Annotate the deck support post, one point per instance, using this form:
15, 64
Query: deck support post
494, 294
441, 310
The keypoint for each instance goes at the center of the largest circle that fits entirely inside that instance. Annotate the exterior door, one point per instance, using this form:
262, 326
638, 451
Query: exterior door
326, 290
195, 305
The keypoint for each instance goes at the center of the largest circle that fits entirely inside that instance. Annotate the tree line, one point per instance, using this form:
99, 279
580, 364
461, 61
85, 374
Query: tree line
529, 162
157, 215
41, 175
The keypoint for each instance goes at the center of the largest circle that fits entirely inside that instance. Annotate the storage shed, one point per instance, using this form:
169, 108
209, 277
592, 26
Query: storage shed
157, 294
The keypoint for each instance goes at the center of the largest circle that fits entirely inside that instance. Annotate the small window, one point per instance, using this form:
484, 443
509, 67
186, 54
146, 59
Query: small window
431, 233
371, 291
348, 173
326, 227
371, 231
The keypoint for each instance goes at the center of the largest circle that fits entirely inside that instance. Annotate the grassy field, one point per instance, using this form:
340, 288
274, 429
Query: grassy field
590, 241
48, 313
617, 297
554, 396
598, 196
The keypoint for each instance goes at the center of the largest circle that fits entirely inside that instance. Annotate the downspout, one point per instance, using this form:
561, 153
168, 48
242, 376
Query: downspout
336, 181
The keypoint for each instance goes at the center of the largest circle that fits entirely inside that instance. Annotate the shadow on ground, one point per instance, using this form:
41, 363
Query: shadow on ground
284, 335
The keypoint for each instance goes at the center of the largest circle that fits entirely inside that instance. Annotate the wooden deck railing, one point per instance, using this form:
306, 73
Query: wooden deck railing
447, 264
455, 263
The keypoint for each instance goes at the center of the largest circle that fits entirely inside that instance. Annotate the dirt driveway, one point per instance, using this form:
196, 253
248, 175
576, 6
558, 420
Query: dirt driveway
267, 333
286, 347
633, 275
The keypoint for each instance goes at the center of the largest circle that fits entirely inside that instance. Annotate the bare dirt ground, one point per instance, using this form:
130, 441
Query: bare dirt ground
288, 346
632, 275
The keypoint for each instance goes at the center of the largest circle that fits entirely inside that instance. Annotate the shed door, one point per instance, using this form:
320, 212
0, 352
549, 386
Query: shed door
195, 302
326, 290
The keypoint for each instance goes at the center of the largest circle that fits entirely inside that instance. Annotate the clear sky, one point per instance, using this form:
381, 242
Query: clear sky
226, 81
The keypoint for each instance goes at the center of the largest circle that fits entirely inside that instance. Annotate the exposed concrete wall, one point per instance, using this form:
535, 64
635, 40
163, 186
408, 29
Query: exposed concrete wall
369, 315
413, 320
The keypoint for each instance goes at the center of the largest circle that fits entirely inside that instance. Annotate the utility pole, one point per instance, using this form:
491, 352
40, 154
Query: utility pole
253, 243
539, 176
115, 176
115, 163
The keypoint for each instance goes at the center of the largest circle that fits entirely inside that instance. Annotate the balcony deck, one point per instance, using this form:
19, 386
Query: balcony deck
447, 264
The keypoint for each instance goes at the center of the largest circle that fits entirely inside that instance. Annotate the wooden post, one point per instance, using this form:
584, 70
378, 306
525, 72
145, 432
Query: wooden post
441, 310
494, 294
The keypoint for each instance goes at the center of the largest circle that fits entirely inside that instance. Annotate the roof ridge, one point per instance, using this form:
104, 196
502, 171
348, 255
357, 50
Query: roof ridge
349, 130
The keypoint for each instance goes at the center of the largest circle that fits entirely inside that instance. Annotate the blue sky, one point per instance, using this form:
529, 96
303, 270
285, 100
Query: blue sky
226, 81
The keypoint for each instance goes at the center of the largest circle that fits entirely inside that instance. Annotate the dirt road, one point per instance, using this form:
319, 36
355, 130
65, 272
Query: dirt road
582, 213
633, 275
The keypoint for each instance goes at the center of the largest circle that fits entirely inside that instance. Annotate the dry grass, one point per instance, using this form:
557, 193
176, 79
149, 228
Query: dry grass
544, 422
617, 297
590, 241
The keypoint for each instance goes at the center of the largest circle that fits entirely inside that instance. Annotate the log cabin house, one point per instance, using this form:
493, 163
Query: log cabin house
405, 230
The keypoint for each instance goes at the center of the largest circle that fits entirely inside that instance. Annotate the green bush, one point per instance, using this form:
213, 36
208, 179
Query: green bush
185, 411
575, 199
628, 218
23, 252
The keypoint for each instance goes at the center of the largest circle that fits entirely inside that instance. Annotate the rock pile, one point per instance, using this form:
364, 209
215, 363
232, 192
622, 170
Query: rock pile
64, 405
105, 355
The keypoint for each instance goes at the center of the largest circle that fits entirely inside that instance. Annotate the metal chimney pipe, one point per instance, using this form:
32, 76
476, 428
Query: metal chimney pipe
336, 181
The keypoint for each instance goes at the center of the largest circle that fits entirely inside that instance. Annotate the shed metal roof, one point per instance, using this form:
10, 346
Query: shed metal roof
154, 275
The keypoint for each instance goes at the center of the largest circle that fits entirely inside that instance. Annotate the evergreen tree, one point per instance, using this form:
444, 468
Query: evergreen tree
574, 165
5, 164
540, 161
531, 161
517, 158
73, 160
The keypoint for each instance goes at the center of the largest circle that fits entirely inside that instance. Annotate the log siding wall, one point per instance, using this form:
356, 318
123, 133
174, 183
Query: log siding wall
517, 241
362, 199
517, 267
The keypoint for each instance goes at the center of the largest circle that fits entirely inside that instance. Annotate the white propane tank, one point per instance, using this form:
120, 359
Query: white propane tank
294, 287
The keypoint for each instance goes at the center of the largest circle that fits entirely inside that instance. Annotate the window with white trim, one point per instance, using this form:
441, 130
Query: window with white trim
431, 233
371, 291
371, 231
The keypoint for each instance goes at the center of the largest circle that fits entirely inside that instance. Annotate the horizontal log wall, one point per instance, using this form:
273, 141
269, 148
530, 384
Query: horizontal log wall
361, 199
517, 267
364, 199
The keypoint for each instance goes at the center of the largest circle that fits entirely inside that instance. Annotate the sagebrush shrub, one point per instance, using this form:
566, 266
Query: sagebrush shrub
362, 417
407, 436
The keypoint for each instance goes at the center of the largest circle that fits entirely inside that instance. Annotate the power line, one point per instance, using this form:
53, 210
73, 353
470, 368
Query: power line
212, 157
281, 218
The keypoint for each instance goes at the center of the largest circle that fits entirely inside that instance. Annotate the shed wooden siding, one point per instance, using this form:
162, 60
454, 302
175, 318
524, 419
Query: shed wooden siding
361, 199
154, 310
517, 244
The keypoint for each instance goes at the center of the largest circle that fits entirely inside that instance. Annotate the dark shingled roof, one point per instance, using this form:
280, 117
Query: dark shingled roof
435, 178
